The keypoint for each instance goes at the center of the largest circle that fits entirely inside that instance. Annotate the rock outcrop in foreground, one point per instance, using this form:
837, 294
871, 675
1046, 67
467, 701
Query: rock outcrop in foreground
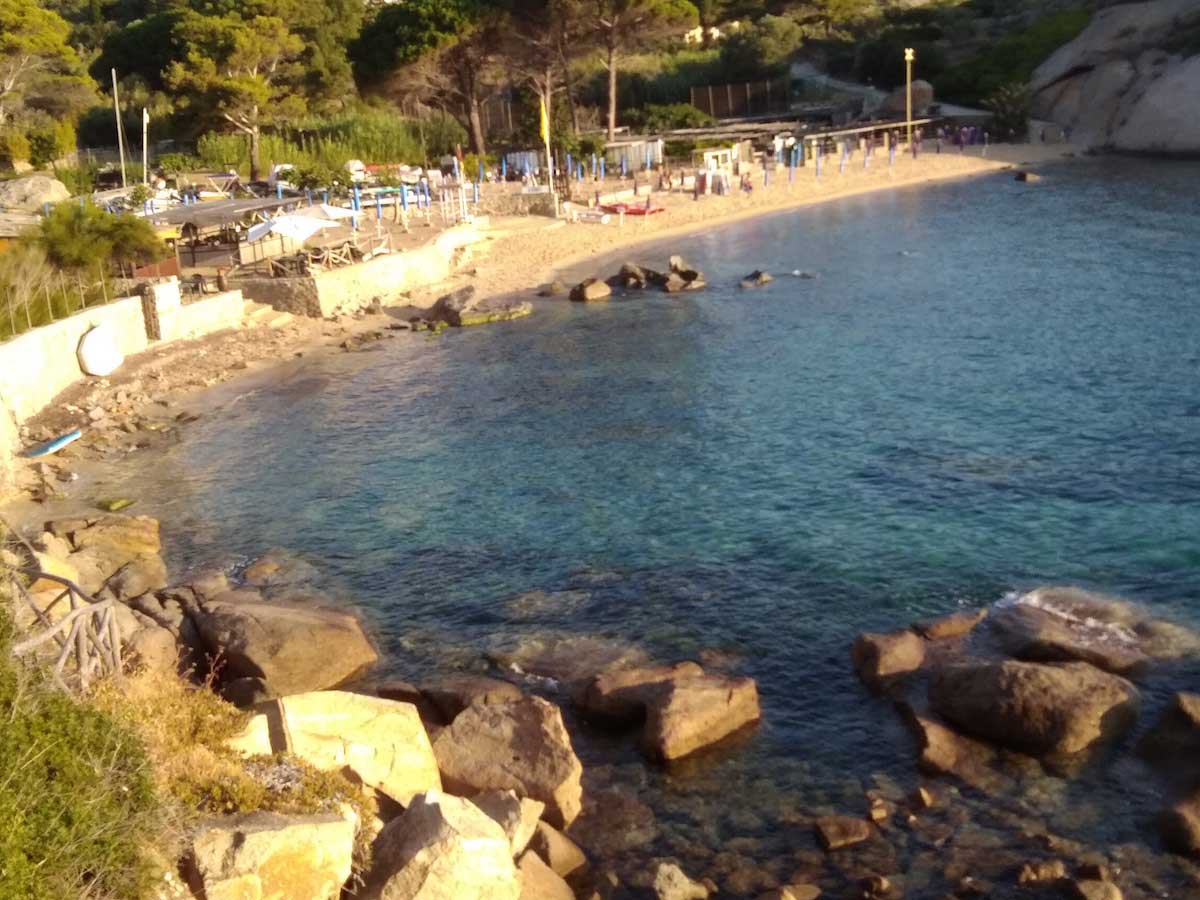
1130, 81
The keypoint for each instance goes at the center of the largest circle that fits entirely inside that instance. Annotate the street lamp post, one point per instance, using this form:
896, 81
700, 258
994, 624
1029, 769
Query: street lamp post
909, 55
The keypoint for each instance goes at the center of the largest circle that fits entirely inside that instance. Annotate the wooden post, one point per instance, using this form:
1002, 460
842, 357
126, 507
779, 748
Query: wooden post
748, 106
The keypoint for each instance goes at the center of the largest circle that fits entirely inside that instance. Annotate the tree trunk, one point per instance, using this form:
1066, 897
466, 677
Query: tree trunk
255, 168
477, 140
612, 92
569, 81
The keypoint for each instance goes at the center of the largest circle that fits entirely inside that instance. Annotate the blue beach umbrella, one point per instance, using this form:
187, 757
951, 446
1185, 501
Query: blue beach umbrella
503, 168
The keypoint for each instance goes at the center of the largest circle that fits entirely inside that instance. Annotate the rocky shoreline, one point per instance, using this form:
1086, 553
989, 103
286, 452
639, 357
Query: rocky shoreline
476, 786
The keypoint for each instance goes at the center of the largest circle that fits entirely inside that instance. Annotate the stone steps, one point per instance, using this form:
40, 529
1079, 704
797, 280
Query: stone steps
258, 315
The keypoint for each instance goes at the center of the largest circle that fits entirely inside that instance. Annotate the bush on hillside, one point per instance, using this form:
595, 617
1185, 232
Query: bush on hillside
14, 146
1010, 60
78, 807
656, 118
50, 141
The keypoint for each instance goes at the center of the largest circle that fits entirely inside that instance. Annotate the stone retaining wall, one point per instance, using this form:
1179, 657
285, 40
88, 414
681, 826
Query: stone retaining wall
354, 287
35, 367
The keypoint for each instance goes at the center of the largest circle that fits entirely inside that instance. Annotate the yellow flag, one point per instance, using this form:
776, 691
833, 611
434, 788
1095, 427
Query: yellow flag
544, 122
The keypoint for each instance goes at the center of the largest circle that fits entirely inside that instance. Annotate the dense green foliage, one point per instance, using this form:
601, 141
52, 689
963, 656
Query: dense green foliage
664, 118
78, 811
1010, 60
84, 237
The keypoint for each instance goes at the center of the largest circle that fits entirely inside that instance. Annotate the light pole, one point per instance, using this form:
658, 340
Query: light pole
909, 55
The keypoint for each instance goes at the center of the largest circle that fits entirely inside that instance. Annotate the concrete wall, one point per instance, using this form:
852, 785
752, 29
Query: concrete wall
35, 367
354, 287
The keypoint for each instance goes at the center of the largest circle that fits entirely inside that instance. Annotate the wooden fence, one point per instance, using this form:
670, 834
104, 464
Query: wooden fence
737, 101
86, 641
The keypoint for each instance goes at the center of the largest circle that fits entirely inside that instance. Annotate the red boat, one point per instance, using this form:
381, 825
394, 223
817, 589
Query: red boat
630, 210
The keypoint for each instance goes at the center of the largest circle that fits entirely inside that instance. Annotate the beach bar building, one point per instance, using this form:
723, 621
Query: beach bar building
634, 151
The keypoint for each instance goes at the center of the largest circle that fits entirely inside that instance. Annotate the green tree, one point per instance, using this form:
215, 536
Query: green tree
762, 48
242, 72
85, 237
38, 68
625, 25
446, 53
1011, 106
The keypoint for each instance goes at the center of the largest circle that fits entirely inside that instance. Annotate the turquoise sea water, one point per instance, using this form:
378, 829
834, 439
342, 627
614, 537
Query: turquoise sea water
990, 386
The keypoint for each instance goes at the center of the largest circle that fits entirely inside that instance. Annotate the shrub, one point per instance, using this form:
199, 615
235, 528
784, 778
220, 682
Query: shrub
174, 163
78, 807
79, 179
1010, 106
655, 118
84, 236
14, 146
50, 141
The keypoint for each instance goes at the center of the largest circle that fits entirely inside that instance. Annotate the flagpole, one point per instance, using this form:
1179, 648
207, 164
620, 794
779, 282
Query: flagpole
145, 146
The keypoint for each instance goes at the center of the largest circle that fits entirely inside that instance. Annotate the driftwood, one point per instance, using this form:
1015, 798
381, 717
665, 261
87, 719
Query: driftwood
88, 636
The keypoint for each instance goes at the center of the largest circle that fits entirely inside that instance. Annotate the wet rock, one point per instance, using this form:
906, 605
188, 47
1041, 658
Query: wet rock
451, 307
1045, 871
613, 821
1035, 708
518, 816
591, 290
922, 798
1174, 741
757, 278
557, 850
621, 696
946, 752
541, 604
682, 277
670, 883
684, 709
567, 658
1087, 889
1066, 624
442, 848
950, 626
139, 576
452, 695
521, 746
635, 277
540, 882
877, 658
495, 311
553, 289
1180, 826
1028, 177
836, 832
209, 584
382, 743
271, 855
277, 568
294, 648
793, 892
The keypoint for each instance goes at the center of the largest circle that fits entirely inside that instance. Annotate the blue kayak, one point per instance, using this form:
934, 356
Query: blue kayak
55, 445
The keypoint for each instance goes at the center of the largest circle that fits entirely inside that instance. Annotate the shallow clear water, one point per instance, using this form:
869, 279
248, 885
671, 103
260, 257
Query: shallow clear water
991, 385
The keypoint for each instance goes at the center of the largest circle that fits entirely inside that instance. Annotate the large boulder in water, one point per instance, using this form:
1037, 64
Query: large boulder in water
1054, 710
294, 648
589, 290
32, 192
521, 746
683, 708
878, 658
1052, 624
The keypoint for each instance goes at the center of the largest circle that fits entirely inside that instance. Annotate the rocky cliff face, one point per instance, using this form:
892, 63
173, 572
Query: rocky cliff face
1130, 81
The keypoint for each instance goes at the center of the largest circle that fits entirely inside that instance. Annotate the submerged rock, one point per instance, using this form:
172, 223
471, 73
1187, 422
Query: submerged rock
1174, 741
452, 695
1180, 826
1035, 708
566, 657
757, 278
836, 832
521, 746
278, 568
